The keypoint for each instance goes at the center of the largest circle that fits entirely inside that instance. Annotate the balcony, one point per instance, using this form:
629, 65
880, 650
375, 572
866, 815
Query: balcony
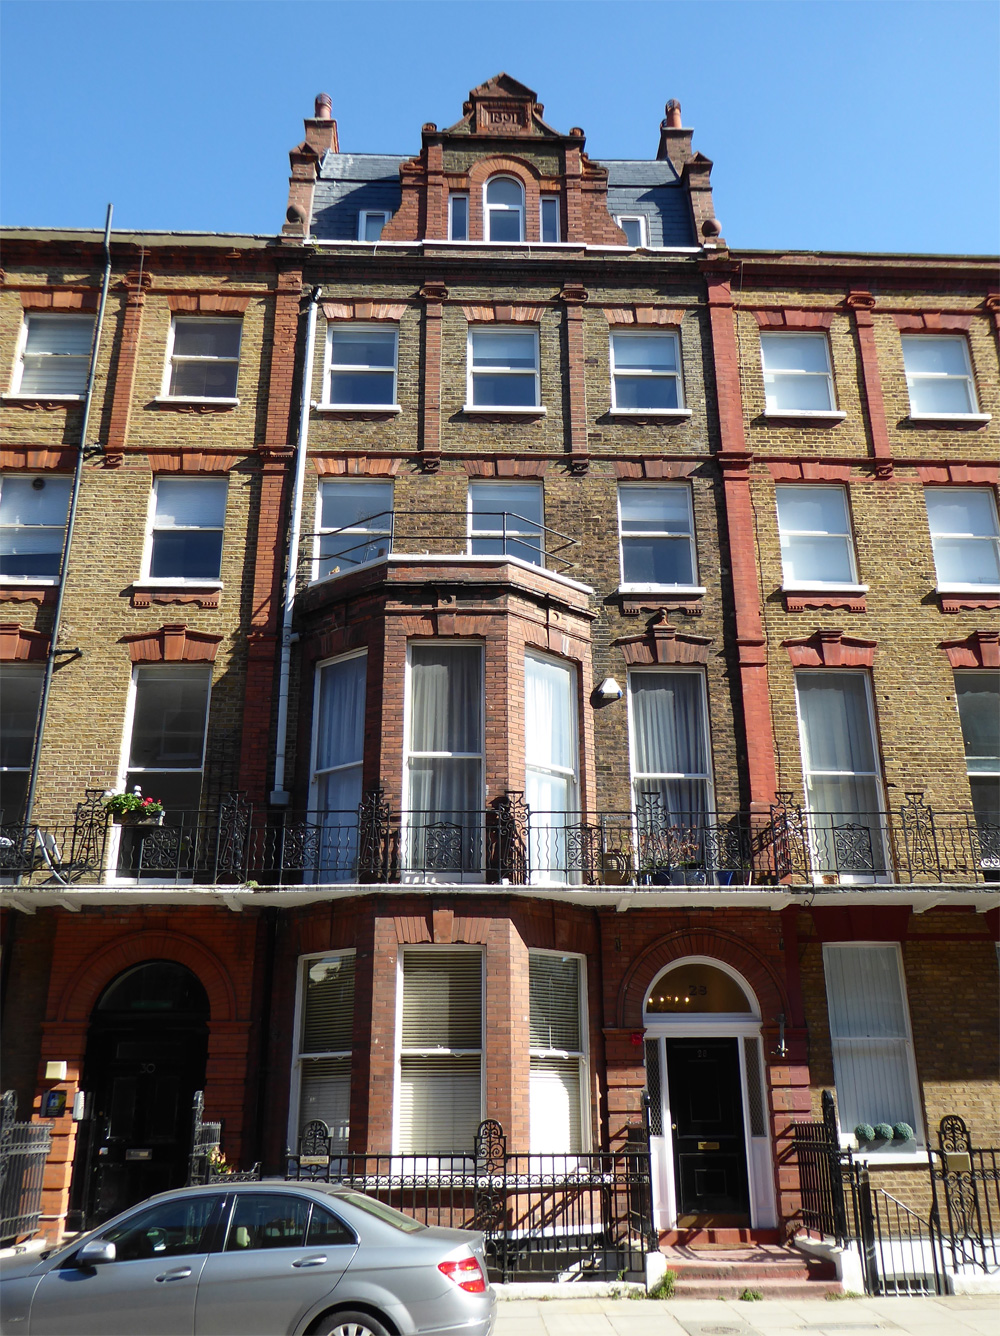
508, 844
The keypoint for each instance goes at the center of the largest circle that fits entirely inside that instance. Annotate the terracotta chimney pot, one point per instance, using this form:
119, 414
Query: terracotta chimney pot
324, 107
673, 110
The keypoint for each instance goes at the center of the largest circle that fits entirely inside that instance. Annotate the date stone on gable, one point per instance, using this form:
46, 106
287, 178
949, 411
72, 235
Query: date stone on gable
504, 107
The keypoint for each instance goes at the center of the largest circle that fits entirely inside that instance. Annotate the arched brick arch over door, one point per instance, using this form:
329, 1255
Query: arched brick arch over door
712, 942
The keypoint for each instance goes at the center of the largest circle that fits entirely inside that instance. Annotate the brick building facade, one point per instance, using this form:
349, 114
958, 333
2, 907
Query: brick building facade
565, 648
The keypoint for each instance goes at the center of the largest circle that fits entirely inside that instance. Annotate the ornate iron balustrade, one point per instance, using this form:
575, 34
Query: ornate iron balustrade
508, 843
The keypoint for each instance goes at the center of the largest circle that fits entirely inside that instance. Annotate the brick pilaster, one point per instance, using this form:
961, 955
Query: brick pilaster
135, 287
862, 304
574, 297
434, 295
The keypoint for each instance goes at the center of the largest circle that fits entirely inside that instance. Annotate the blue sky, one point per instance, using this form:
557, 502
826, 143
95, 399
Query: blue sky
840, 126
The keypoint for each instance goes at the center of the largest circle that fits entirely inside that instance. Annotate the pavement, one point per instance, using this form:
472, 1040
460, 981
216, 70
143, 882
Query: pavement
961, 1315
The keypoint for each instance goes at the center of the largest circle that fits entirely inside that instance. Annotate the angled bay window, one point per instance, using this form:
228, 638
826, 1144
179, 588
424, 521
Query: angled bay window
360, 370
870, 1032
797, 376
557, 1036
20, 694
843, 785
656, 525
505, 519
440, 1099
551, 764
939, 376
55, 355
185, 542
504, 209
965, 537
444, 760
354, 524
321, 1069
338, 756
203, 359
645, 371
817, 547
33, 513
978, 697
671, 769
503, 368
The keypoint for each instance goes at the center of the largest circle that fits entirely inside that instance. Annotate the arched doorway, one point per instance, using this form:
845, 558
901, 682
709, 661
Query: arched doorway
711, 1149
146, 1054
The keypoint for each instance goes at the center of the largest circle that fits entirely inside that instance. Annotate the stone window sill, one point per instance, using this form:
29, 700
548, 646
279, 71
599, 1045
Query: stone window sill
171, 582
950, 419
803, 415
194, 401
356, 410
28, 399
34, 582
678, 413
505, 410
664, 591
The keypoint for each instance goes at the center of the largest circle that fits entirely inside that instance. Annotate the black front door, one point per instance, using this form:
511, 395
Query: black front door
706, 1117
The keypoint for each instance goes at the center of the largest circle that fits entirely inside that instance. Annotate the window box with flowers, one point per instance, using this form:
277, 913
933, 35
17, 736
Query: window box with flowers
132, 809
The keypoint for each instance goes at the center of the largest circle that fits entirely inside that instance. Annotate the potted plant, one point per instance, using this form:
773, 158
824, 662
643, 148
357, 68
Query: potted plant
132, 809
687, 868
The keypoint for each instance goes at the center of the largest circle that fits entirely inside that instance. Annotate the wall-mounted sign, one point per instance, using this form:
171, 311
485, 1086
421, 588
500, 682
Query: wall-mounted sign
138, 1155
54, 1104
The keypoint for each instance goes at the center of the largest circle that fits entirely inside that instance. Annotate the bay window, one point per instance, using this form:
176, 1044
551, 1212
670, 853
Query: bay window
557, 1094
321, 1069
338, 756
550, 763
440, 1101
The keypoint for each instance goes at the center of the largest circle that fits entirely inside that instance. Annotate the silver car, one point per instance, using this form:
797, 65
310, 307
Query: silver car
254, 1259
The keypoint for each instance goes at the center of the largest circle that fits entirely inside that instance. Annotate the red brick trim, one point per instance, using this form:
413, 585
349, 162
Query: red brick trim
933, 322
808, 470
642, 315
37, 460
574, 297
355, 466
172, 644
981, 649
804, 602
968, 602
523, 170
831, 649
664, 644
969, 475
18, 644
503, 314
208, 303
135, 286
862, 304
434, 294
627, 469
861, 923
59, 299
191, 461
145, 598
793, 318
84, 988
393, 311
767, 985
505, 468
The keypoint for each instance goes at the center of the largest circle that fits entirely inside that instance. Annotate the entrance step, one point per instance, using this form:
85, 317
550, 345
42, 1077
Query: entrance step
703, 1238
767, 1269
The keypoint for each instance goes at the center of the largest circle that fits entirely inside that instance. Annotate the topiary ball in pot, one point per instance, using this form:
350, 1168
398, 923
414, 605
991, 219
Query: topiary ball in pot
884, 1131
902, 1132
864, 1132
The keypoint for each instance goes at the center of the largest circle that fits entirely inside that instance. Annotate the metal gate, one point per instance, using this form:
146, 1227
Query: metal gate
24, 1148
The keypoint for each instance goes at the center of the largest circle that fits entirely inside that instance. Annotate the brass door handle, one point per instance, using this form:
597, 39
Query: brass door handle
673, 1127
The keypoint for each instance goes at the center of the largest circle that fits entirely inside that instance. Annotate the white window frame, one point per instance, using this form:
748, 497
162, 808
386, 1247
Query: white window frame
972, 414
27, 672
38, 581
988, 774
677, 376
168, 368
582, 1054
965, 586
773, 410
707, 778
161, 581
650, 587
536, 409
503, 208
377, 535
512, 535
462, 195
847, 1133
553, 202
847, 534
299, 1057
46, 318
622, 218
321, 815
329, 366
555, 839
435, 1158
363, 216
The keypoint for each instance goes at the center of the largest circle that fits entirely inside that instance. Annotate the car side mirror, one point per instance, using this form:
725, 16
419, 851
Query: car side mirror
96, 1252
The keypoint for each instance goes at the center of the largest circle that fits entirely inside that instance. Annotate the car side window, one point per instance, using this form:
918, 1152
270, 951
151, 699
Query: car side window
326, 1231
267, 1220
170, 1229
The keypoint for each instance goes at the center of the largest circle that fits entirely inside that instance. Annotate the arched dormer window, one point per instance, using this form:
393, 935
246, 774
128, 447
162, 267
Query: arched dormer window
504, 209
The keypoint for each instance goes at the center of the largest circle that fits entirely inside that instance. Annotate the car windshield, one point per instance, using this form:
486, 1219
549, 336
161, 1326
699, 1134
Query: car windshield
392, 1217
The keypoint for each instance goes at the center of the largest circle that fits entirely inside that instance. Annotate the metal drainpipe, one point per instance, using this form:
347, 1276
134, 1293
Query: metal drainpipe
280, 795
50, 661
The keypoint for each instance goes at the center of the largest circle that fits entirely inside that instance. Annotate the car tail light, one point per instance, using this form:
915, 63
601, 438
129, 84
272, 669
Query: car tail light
465, 1272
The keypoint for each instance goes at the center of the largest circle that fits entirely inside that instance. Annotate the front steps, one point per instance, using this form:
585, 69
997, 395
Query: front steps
725, 1272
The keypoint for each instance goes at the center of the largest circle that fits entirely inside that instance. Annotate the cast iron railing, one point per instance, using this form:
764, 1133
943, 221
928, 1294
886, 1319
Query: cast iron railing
967, 1178
24, 1148
561, 1216
508, 843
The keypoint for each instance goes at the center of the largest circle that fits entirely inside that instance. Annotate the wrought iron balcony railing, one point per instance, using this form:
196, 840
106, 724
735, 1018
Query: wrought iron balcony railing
508, 843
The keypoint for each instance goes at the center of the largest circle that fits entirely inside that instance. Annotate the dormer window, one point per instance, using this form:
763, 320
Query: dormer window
371, 223
458, 217
504, 209
634, 227
548, 219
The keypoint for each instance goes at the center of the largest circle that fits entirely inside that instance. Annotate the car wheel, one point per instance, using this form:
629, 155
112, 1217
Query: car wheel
352, 1324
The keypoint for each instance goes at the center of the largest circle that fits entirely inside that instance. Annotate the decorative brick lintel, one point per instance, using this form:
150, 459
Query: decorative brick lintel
968, 602
505, 468
933, 322
793, 318
643, 315
59, 299
664, 644
981, 649
959, 474
355, 466
503, 314
831, 649
209, 303
172, 644
18, 644
191, 461
626, 469
803, 602
364, 310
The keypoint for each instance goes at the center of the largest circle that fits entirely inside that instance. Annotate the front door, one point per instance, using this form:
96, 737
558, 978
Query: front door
706, 1124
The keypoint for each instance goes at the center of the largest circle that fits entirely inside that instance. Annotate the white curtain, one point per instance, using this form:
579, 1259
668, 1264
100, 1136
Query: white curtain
340, 737
670, 738
550, 763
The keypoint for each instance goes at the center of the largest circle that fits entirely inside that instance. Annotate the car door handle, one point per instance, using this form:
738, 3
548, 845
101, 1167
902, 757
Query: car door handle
181, 1273
309, 1261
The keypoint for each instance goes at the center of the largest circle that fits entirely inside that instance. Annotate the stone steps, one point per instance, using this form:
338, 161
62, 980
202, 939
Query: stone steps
770, 1270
